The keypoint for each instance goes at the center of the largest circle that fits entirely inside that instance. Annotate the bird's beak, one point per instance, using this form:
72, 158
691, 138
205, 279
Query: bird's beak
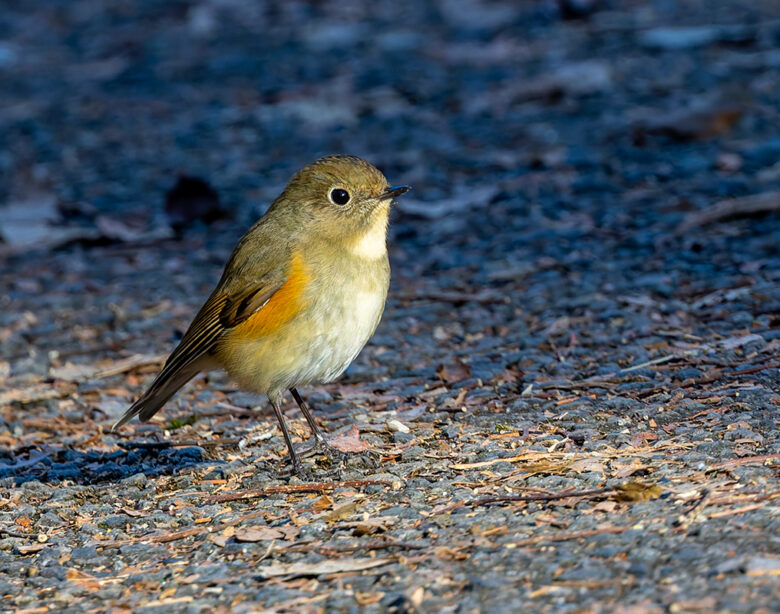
394, 192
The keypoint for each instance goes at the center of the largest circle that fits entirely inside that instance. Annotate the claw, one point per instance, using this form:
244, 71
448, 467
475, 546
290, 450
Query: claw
301, 471
334, 454
368, 458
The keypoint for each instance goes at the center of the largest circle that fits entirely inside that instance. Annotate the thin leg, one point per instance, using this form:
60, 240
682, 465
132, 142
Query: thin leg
318, 434
334, 454
298, 467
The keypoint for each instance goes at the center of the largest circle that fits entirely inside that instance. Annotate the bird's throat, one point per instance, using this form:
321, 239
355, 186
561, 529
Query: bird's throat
372, 244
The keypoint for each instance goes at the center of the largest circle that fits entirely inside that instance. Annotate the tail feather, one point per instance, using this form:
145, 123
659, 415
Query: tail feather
161, 390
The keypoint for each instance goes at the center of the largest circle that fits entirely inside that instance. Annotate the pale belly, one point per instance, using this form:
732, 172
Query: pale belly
317, 345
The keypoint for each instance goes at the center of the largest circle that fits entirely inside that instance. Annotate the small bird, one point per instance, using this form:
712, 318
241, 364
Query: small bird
300, 296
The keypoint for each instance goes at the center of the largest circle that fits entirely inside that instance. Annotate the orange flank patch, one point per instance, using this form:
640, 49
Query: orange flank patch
280, 308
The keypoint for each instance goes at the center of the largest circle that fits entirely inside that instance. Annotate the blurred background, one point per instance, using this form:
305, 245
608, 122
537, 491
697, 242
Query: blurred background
557, 149
104, 105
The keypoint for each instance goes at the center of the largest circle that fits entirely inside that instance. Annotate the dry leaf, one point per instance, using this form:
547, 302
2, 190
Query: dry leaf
368, 526
631, 468
323, 567
636, 491
70, 372
322, 503
349, 441
134, 513
30, 548
454, 373
587, 465
763, 566
219, 540
340, 512
605, 506
83, 579
257, 534
642, 438
290, 531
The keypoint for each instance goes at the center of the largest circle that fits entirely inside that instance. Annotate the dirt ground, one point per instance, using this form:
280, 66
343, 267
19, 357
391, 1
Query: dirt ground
573, 395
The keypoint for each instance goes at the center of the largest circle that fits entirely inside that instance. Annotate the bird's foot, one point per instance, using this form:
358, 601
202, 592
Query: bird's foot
367, 458
335, 455
300, 470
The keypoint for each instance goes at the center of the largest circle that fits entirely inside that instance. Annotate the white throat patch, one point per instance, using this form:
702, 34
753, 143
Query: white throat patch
372, 245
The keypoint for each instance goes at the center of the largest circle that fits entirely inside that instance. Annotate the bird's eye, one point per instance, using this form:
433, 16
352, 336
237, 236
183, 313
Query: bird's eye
339, 196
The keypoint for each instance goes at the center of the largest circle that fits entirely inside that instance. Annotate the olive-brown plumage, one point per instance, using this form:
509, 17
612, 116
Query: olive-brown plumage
300, 296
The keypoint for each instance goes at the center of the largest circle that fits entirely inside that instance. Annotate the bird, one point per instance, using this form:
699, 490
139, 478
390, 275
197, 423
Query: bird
301, 294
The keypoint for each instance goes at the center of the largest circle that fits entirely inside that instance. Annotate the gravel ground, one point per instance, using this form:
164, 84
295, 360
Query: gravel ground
573, 394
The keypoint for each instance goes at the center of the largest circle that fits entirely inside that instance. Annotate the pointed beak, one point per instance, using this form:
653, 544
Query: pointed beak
394, 192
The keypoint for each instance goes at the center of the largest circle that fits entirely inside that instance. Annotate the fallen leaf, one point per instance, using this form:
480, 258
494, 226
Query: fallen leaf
640, 439
73, 373
454, 373
134, 513
704, 605
605, 506
290, 531
587, 465
30, 548
635, 466
322, 503
257, 534
323, 567
219, 540
83, 579
349, 441
369, 526
637, 491
763, 566
340, 512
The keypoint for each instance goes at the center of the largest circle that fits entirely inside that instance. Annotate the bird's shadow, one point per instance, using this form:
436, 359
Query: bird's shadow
53, 464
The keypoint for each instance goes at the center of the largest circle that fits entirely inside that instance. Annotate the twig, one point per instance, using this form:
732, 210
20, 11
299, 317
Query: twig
747, 460
294, 488
733, 207
565, 536
164, 445
3, 531
376, 544
564, 494
509, 459
650, 363
33, 394
738, 510
267, 552
756, 369
746, 498
173, 536
170, 536
130, 363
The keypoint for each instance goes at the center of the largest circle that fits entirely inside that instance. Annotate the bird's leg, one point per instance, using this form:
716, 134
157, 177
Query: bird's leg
298, 467
315, 429
321, 442
319, 437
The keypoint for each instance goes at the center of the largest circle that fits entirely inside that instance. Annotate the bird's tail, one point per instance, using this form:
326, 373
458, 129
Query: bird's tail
164, 386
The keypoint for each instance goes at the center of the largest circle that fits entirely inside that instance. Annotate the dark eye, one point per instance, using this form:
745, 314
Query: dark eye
339, 196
